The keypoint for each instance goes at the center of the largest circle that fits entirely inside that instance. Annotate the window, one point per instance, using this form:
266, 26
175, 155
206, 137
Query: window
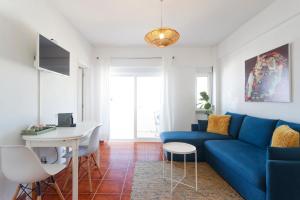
203, 84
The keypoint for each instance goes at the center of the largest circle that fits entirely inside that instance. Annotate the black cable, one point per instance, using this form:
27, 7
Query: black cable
56, 155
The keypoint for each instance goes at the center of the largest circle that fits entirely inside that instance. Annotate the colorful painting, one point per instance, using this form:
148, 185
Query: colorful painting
267, 76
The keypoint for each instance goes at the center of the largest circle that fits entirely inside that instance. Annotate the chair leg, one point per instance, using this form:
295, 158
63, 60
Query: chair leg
80, 162
34, 193
38, 191
66, 182
69, 164
58, 191
16, 193
89, 173
98, 168
69, 175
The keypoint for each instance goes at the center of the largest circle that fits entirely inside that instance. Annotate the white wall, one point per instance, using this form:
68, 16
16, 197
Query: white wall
278, 24
20, 22
184, 71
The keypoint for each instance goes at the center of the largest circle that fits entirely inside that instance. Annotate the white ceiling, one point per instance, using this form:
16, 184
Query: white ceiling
125, 22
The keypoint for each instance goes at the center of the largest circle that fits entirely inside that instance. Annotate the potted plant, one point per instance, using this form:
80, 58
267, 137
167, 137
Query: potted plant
205, 103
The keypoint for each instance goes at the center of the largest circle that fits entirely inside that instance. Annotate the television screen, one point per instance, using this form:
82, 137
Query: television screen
53, 57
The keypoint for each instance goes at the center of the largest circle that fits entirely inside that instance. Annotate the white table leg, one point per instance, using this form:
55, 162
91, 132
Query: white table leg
171, 171
184, 175
163, 157
196, 173
75, 147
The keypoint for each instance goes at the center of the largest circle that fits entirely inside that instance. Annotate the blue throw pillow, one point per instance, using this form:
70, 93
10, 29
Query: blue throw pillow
202, 125
257, 131
235, 123
292, 125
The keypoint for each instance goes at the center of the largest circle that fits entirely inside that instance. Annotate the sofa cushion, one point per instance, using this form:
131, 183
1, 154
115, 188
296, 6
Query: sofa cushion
284, 137
192, 137
195, 138
202, 125
257, 131
235, 123
218, 124
244, 159
292, 125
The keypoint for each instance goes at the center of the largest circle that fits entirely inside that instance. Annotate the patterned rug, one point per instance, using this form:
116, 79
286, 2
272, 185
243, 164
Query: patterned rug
148, 183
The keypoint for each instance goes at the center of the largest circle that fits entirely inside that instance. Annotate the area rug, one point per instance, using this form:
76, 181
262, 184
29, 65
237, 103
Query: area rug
148, 183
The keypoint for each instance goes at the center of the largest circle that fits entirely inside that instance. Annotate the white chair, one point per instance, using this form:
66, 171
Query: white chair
21, 165
86, 152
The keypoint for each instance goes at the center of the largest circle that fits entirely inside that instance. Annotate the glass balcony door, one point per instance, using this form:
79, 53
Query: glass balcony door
122, 104
148, 106
135, 106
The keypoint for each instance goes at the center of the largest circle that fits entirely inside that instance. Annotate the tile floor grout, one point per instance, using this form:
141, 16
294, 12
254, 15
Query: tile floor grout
117, 164
100, 183
124, 181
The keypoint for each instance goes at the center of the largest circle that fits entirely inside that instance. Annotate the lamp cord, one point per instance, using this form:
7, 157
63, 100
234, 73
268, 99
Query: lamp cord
161, 14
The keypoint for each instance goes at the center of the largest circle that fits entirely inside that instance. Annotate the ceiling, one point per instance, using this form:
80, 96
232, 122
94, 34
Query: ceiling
125, 22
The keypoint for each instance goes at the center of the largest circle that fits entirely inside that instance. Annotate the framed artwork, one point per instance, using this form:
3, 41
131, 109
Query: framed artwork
267, 76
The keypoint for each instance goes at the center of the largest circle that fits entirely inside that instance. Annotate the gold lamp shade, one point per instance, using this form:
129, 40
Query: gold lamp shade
162, 37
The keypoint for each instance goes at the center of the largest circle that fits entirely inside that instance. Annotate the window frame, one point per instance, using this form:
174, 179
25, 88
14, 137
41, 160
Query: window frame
209, 75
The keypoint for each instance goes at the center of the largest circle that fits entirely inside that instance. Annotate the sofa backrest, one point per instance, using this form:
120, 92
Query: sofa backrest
292, 125
236, 121
257, 131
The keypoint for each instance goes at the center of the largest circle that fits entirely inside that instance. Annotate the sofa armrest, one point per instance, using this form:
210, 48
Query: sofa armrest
195, 127
275, 153
283, 179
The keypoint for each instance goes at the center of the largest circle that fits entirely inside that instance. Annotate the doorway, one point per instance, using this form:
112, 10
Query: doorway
135, 107
80, 94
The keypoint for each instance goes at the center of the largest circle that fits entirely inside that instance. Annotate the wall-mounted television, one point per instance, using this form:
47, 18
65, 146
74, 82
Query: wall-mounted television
51, 57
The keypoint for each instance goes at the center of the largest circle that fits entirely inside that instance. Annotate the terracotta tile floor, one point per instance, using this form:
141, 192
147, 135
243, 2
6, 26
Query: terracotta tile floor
117, 162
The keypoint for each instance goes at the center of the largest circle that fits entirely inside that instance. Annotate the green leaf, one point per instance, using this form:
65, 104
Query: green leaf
207, 106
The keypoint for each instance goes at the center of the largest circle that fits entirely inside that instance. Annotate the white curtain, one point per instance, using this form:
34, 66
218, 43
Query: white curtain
102, 96
166, 116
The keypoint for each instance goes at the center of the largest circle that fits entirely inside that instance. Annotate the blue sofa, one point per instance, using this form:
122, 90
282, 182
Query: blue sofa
245, 159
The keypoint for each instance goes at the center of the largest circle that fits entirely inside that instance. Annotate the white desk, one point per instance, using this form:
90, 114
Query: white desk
65, 137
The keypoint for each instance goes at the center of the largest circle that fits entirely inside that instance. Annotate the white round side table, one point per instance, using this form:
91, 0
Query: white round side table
182, 149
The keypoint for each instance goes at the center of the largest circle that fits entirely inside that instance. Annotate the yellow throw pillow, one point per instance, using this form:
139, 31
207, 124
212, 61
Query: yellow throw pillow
218, 124
284, 136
